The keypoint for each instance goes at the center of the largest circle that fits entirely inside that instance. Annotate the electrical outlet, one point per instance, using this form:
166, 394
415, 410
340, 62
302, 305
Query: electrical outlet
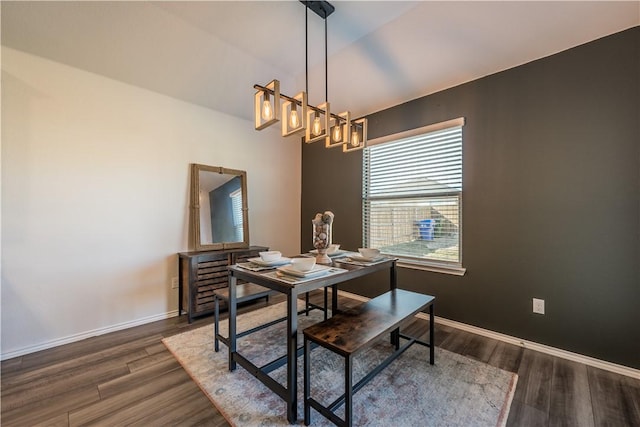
538, 306
174, 283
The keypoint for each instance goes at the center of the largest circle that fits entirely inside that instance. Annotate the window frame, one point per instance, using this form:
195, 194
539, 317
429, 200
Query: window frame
448, 267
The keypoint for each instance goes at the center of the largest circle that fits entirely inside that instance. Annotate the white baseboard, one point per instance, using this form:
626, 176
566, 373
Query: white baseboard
88, 334
553, 351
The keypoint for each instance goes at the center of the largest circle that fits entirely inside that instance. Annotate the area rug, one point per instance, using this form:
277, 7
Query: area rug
456, 391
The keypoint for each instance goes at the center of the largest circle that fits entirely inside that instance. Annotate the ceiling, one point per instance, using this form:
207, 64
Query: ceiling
381, 53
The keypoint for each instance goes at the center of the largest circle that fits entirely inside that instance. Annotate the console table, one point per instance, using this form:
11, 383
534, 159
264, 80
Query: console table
200, 273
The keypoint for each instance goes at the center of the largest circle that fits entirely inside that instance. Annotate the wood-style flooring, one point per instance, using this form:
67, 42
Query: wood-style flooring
129, 378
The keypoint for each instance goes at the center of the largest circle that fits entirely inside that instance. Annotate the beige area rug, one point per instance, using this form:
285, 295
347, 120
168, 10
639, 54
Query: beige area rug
456, 391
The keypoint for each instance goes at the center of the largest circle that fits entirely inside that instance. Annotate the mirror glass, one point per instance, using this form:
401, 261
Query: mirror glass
219, 207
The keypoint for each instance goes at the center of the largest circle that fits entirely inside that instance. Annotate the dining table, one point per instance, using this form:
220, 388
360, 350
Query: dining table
342, 270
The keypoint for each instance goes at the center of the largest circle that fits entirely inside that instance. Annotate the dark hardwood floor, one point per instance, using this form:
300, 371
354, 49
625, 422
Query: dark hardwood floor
129, 378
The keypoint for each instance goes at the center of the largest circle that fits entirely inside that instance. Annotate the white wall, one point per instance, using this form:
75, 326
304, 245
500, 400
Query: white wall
95, 186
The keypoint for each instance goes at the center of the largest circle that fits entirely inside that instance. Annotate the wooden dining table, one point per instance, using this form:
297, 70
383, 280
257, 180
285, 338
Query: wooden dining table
349, 271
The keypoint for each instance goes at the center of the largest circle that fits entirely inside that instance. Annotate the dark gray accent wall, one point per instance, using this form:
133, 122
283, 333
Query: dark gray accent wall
551, 199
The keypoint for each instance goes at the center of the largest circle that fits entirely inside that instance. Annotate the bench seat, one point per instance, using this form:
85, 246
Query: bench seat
352, 331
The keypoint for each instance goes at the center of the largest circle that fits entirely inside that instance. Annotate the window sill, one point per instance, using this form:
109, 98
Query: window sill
433, 267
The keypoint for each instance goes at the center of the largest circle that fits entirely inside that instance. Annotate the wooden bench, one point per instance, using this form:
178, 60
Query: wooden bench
350, 332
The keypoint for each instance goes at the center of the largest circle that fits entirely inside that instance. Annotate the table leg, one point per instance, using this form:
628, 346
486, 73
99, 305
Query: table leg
395, 338
232, 321
306, 303
216, 322
180, 307
432, 343
334, 299
292, 359
395, 334
393, 280
325, 307
307, 381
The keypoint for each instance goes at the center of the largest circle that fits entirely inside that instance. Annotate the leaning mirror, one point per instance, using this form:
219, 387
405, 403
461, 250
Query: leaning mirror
219, 215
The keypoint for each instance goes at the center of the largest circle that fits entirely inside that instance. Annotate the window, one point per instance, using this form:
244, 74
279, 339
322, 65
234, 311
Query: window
236, 207
412, 197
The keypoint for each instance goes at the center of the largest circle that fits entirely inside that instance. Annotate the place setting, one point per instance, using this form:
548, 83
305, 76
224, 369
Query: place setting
268, 260
302, 269
290, 270
364, 256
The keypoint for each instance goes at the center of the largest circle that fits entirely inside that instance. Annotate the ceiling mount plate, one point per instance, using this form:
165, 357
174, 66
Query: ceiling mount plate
321, 8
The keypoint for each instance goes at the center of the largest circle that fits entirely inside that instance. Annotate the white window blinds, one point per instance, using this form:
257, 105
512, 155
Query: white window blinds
412, 192
422, 165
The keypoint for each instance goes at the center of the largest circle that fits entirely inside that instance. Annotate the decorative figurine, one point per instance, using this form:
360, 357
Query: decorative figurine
322, 236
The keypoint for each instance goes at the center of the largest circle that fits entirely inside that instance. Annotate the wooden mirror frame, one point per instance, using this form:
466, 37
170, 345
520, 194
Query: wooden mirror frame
195, 208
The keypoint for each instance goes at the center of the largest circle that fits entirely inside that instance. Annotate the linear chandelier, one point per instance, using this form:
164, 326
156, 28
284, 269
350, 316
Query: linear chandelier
297, 116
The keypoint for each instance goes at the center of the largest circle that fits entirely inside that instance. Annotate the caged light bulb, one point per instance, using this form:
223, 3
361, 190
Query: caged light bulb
317, 128
337, 134
267, 111
294, 121
355, 138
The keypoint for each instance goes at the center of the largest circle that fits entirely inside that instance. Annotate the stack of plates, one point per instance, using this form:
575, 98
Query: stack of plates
317, 270
332, 254
274, 263
366, 259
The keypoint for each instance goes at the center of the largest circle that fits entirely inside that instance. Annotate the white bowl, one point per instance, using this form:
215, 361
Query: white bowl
269, 256
303, 264
333, 248
369, 252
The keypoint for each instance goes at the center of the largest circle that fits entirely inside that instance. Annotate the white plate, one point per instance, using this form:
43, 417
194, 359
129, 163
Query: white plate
274, 263
317, 270
332, 254
366, 259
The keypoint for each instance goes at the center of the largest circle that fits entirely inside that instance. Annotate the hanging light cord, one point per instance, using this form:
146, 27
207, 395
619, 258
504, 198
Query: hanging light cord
326, 64
306, 55
306, 49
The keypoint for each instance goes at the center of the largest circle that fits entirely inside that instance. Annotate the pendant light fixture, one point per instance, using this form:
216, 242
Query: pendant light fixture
297, 116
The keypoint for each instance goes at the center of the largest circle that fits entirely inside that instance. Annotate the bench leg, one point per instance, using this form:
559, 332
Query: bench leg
348, 391
232, 310
216, 323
